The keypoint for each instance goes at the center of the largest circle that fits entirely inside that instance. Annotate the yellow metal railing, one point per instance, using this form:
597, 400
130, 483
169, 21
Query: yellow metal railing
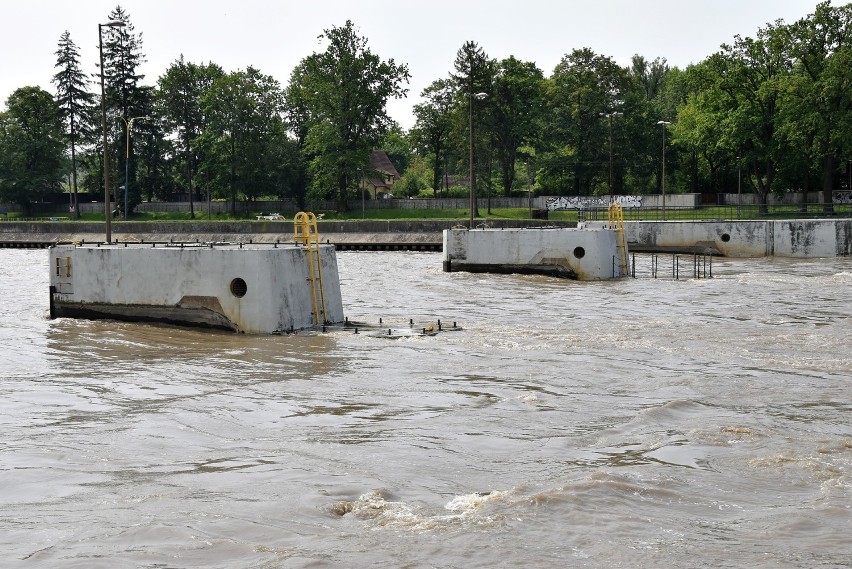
616, 221
305, 233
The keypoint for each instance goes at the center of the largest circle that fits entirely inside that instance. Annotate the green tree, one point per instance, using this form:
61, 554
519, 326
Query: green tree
516, 111
75, 102
125, 95
750, 74
473, 80
700, 125
414, 180
179, 95
157, 159
243, 135
298, 117
338, 98
821, 92
397, 146
433, 125
122, 58
31, 147
588, 102
651, 74
653, 78
674, 90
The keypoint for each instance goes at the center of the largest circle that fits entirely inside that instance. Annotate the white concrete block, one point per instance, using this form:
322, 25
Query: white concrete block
246, 288
583, 254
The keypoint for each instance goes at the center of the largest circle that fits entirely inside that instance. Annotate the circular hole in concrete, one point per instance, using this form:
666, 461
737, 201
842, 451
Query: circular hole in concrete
579, 252
726, 237
239, 288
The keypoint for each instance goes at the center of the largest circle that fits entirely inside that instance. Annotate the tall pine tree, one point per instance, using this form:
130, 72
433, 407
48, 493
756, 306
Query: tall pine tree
75, 102
126, 98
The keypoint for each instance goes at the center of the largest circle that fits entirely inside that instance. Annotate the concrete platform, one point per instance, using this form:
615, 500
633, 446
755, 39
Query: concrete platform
246, 288
581, 254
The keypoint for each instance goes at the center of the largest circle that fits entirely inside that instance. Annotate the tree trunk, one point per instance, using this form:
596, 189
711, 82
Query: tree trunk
828, 184
74, 173
233, 180
508, 172
762, 205
189, 179
763, 188
436, 175
342, 202
803, 204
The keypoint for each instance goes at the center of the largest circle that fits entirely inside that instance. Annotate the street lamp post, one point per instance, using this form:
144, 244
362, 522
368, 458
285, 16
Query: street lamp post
128, 124
107, 211
472, 166
611, 168
664, 124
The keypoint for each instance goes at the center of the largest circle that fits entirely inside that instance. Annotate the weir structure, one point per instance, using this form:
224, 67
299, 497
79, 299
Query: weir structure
253, 288
582, 253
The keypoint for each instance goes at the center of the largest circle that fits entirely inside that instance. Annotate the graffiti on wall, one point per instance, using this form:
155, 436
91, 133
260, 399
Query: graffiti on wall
842, 197
591, 202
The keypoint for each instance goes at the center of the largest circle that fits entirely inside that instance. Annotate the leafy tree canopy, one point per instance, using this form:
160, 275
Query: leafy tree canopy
31, 147
337, 103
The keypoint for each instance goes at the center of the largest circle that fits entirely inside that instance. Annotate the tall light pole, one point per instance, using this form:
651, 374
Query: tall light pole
107, 212
611, 169
472, 166
128, 124
664, 124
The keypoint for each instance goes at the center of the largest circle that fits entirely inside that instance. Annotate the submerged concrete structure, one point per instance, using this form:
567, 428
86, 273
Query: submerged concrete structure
255, 288
576, 253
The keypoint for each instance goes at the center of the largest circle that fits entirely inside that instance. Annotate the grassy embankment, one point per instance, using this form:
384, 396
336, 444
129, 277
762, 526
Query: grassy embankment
710, 212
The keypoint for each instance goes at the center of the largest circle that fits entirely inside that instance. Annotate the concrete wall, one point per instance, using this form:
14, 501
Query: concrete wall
785, 238
174, 283
241, 231
789, 198
799, 238
674, 201
584, 254
652, 201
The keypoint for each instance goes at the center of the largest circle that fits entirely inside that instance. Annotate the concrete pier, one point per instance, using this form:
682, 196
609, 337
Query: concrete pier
582, 254
735, 238
246, 288
801, 238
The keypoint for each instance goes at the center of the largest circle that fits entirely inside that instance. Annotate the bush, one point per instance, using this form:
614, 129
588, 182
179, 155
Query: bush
458, 192
411, 184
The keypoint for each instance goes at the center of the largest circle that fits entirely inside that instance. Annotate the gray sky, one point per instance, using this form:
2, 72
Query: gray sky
275, 36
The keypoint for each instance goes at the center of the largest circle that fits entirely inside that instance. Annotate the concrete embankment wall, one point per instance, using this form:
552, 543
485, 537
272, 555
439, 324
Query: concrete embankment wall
403, 234
783, 238
787, 238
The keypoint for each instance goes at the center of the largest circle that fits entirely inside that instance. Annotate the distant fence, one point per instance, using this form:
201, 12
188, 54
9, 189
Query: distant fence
689, 206
840, 197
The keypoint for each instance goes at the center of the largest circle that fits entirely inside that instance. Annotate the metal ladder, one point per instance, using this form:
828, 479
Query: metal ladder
305, 233
616, 221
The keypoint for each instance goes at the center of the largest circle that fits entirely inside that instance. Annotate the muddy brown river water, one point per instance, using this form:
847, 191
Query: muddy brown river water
638, 423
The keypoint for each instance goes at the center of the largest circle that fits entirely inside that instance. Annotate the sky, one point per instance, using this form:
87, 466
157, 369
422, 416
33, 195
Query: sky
274, 36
